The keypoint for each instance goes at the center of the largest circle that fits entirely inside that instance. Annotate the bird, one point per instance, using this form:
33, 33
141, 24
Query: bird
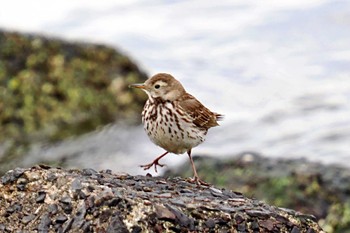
174, 119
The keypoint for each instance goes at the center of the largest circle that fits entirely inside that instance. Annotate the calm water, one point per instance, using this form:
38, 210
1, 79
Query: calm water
278, 70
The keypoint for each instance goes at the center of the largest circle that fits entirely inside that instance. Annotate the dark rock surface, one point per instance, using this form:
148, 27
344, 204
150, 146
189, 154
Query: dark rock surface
308, 187
44, 199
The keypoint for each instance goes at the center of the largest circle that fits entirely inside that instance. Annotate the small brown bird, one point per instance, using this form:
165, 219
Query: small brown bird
174, 119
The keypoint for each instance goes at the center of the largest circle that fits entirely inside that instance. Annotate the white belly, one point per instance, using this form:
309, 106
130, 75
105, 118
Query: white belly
173, 136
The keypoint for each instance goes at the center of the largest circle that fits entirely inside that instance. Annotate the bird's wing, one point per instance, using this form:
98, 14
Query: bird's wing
201, 116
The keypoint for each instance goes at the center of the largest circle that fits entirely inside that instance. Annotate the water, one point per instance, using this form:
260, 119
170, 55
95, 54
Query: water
278, 70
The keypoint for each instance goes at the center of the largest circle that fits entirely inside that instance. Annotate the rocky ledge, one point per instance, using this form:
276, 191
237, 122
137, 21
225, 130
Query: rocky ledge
45, 199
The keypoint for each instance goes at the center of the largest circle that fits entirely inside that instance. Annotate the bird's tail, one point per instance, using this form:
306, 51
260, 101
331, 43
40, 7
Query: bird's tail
219, 117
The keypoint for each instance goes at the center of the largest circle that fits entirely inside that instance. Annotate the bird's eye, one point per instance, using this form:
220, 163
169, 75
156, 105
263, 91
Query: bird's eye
157, 86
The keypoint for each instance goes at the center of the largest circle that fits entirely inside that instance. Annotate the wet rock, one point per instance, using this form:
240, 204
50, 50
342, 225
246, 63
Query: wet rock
115, 203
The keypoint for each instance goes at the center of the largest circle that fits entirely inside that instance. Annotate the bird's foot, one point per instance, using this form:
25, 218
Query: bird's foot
155, 163
198, 181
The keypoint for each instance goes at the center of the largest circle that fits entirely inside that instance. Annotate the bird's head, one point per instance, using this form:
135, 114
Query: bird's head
162, 86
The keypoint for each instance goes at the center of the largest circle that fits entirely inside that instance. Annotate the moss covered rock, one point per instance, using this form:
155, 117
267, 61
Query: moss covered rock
51, 89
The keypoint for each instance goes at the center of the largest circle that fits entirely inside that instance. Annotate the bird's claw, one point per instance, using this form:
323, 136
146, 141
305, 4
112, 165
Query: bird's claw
155, 163
198, 181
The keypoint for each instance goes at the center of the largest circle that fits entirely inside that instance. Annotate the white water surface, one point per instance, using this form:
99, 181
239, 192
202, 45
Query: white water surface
278, 70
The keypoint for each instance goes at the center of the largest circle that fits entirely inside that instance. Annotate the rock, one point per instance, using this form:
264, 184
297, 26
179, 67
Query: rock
114, 203
44, 223
41, 197
26, 219
12, 175
307, 187
61, 219
52, 89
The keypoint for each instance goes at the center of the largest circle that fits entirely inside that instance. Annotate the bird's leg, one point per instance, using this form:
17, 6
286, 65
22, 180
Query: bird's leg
155, 163
195, 178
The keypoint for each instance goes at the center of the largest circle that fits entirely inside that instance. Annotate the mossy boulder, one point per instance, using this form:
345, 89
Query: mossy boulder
51, 89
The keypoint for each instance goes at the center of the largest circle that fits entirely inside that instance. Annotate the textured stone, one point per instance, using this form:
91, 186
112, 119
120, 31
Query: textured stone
115, 203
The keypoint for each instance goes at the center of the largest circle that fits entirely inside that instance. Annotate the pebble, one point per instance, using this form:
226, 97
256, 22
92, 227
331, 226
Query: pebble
26, 219
67, 225
12, 175
295, 230
79, 218
267, 224
216, 192
89, 172
52, 209
41, 197
259, 213
61, 219
210, 223
66, 204
44, 224
164, 195
76, 185
164, 213
117, 225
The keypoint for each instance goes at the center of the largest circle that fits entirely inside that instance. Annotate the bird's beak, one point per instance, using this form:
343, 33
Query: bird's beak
137, 85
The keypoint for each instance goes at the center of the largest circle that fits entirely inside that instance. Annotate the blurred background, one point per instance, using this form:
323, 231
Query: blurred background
278, 71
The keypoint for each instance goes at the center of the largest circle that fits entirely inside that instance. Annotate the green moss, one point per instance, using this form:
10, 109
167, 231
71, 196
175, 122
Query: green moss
338, 219
51, 89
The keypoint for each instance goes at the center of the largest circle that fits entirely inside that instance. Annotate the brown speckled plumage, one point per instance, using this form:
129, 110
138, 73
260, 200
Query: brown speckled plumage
174, 119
